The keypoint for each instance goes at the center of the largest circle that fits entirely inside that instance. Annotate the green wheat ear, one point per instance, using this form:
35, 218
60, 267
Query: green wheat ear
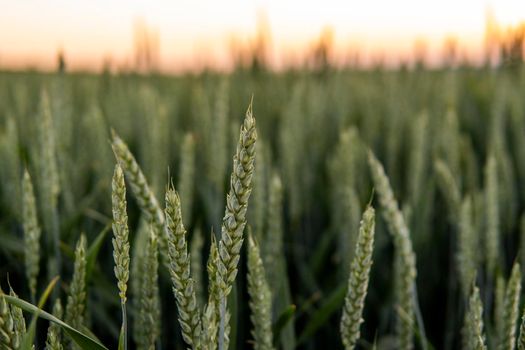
7, 327
148, 312
76, 300
234, 219
405, 259
473, 336
180, 272
358, 281
54, 332
260, 299
467, 258
511, 310
141, 190
120, 241
18, 321
32, 234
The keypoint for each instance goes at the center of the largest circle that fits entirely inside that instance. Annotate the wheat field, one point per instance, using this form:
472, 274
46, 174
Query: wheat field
378, 209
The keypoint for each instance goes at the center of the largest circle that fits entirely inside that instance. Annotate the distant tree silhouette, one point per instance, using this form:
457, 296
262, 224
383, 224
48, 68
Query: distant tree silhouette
61, 66
322, 51
512, 46
146, 42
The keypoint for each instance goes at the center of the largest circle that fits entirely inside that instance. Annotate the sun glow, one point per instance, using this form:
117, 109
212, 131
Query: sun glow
204, 33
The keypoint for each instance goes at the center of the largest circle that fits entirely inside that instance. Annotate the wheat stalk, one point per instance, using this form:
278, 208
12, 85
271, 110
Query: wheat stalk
358, 281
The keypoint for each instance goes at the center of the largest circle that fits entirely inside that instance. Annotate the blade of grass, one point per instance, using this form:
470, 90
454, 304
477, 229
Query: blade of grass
85, 342
29, 337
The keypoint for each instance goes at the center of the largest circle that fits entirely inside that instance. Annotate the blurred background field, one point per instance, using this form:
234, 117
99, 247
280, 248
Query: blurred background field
420, 111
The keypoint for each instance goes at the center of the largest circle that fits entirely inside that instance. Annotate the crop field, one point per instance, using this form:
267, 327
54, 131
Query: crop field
337, 209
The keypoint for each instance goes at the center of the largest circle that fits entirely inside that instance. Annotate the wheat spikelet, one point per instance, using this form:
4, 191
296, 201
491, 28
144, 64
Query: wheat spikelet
234, 219
19, 323
139, 186
7, 331
76, 300
510, 310
473, 336
358, 281
121, 232
32, 234
48, 166
492, 237
260, 299
54, 332
405, 260
149, 307
210, 317
180, 271
120, 242
499, 309
49, 183
467, 242
449, 188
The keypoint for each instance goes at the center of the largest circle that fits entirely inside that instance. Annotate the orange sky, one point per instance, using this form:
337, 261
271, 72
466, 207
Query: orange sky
196, 33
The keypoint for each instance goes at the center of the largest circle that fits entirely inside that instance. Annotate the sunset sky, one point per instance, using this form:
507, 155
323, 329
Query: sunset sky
196, 33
